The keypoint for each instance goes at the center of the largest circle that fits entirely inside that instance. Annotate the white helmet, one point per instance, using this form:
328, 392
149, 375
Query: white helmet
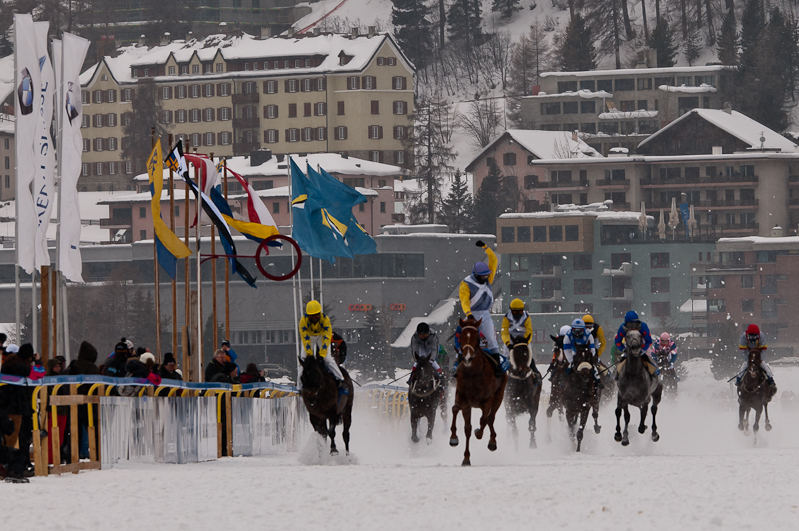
565, 329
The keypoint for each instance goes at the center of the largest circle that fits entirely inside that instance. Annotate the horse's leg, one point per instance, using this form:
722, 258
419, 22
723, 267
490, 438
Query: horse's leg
332, 432
617, 437
741, 413
453, 438
511, 416
656, 396
625, 436
533, 414
414, 425
467, 429
644, 410
431, 421
768, 422
595, 410
499, 394
345, 431
758, 412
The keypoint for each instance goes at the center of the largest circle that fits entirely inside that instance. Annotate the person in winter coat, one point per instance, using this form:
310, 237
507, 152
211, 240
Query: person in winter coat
424, 344
143, 367
252, 375
53, 367
13, 462
169, 367
85, 363
216, 367
115, 364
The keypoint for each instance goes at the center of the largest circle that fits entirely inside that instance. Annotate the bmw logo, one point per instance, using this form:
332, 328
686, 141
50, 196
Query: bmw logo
25, 93
72, 111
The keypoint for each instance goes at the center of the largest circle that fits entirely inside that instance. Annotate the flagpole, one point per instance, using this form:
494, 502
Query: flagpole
16, 201
214, 333
65, 327
156, 283
59, 123
170, 139
34, 313
321, 292
45, 302
310, 267
186, 288
294, 278
199, 281
227, 271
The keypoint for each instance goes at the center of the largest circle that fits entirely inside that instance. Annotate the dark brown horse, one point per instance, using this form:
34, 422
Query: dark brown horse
580, 394
476, 387
667, 373
524, 389
424, 396
558, 370
326, 408
636, 387
753, 393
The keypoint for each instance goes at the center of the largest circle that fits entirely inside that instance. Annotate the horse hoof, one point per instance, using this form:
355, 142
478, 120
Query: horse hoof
333, 452
478, 434
492, 446
549, 414
533, 445
641, 429
597, 429
617, 437
578, 447
768, 426
741, 427
415, 438
429, 440
466, 462
453, 441
655, 436
625, 442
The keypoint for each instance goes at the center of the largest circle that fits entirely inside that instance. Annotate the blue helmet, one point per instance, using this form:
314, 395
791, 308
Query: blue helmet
578, 323
630, 317
481, 269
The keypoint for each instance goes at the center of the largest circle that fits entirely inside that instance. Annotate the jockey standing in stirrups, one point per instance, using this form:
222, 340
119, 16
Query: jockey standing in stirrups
476, 300
517, 327
316, 334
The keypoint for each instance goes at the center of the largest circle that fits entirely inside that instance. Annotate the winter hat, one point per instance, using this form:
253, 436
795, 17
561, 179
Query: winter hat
169, 358
423, 328
3, 338
147, 356
230, 367
179, 372
12, 349
225, 343
753, 329
87, 352
140, 351
121, 346
26, 351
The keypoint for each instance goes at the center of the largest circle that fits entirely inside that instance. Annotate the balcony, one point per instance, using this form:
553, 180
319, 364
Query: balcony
118, 222
560, 185
613, 183
554, 272
793, 203
549, 295
793, 180
625, 294
626, 270
245, 98
246, 123
719, 204
244, 148
699, 291
656, 182
699, 318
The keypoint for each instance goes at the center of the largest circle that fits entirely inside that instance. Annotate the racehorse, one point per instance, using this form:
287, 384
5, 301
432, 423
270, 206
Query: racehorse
558, 379
636, 387
476, 387
326, 408
524, 390
606, 376
580, 394
424, 396
667, 373
753, 393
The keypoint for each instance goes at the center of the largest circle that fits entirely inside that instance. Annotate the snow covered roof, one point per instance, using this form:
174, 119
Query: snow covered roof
738, 125
601, 215
241, 47
674, 70
542, 144
616, 114
760, 243
440, 315
586, 94
687, 90
144, 197
6, 123
6, 76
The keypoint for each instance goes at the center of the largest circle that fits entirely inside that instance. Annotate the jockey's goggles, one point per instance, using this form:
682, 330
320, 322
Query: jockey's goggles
516, 312
577, 331
589, 326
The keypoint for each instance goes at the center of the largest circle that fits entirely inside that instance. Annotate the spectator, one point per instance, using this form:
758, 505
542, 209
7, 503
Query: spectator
169, 368
85, 364
16, 400
232, 371
144, 367
230, 354
13, 462
115, 364
3, 339
37, 369
216, 367
252, 375
53, 367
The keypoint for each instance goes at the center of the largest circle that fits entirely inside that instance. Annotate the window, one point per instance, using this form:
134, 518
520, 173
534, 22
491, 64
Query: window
361, 207
84, 97
98, 144
86, 149
567, 86
617, 259
766, 257
143, 232
519, 288
166, 93
508, 234
570, 107
321, 133
112, 144
208, 69
340, 108
306, 109
572, 233
523, 234
195, 91
98, 168
271, 136
195, 115
747, 281
195, 140
220, 67
293, 135
539, 234
716, 305
209, 139
747, 305
583, 286
320, 84
275, 207
556, 233
225, 138
604, 84
195, 69
375, 107
84, 121
209, 90
271, 111
84, 169
374, 156
399, 132
319, 109
341, 132
182, 116
292, 110
374, 132
587, 107
550, 108
659, 284
583, 262
224, 113
398, 83
307, 134
142, 212
509, 159
209, 115
271, 87
383, 207
768, 284
306, 85
625, 84
661, 309
368, 82
659, 260
399, 157
7, 182
392, 61
400, 107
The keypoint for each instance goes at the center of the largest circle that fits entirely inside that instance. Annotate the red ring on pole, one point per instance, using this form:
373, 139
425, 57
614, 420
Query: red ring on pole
263, 247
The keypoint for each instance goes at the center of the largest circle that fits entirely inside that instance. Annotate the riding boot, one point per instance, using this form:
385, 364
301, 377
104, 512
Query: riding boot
537, 374
413, 374
551, 371
342, 388
498, 372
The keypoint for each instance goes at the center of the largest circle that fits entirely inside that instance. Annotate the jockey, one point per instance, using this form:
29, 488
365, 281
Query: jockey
632, 322
424, 343
754, 338
668, 345
579, 336
597, 332
316, 334
517, 327
476, 300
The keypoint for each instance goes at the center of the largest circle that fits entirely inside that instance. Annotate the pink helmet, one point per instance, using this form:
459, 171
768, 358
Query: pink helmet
665, 337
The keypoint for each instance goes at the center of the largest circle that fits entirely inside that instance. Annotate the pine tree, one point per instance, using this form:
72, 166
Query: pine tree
727, 50
577, 49
605, 17
413, 30
692, 48
662, 40
146, 115
464, 20
530, 58
506, 7
490, 201
456, 209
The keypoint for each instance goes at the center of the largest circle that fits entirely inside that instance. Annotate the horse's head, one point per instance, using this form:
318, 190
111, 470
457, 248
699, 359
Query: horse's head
521, 357
633, 341
424, 382
313, 377
470, 339
753, 365
582, 361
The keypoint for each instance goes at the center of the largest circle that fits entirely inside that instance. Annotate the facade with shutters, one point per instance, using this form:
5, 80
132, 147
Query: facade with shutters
230, 95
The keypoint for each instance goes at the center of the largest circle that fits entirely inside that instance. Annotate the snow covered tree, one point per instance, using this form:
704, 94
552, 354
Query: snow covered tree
490, 201
530, 57
413, 30
605, 17
727, 50
464, 20
577, 48
481, 122
692, 48
146, 115
662, 40
506, 8
456, 209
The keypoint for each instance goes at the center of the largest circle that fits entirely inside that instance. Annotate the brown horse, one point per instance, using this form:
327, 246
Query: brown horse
753, 393
424, 396
524, 389
558, 370
580, 394
476, 387
326, 408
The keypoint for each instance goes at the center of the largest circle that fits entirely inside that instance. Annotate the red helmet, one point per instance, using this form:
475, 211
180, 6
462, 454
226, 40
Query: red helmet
753, 330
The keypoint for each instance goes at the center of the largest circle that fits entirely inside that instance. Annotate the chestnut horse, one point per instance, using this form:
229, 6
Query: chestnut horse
580, 394
476, 387
424, 396
524, 389
326, 408
753, 393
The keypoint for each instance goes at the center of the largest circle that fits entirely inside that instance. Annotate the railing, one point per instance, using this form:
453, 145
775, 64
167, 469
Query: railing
626, 270
657, 181
116, 222
625, 294
559, 184
719, 203
244, 148
245, 98
246, 123
604, 183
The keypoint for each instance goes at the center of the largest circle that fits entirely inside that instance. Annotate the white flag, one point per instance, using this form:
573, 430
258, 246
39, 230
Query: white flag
44, 150
71, 111
27, 98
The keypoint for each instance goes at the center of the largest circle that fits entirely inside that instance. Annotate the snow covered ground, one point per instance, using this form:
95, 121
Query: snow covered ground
703, 474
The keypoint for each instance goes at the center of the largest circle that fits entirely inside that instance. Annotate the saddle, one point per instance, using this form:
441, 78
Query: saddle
644, 359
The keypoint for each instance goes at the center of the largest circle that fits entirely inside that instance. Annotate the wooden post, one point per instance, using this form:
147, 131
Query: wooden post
45, 344
187, 365
229, 423
214, 334
198, 263
56, 277
227, 271
156, 283
174, 281
73, 421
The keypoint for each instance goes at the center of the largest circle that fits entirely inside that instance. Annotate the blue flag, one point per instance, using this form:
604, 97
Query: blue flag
358, 239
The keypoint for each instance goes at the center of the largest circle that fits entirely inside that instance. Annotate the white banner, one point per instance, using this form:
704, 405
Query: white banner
26, 102
71, 111
44, 149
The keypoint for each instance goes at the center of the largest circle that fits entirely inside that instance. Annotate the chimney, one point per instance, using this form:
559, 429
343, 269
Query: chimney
575, 138
354, 32
535, 90
165, 38
717, 150
290, 32
189, 36
372, 31
266, 32
260, 156
777, 232
728, 107
141, 39
317, 30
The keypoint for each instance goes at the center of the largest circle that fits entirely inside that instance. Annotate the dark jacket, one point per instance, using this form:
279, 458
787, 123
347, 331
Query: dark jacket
247, 378
14, 399
116, 366
85, 364
213, 372
169, 375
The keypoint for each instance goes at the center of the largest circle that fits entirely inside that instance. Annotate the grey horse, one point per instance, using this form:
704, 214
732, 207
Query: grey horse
636, 388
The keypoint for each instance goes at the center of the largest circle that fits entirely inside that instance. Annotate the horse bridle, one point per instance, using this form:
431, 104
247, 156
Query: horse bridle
464, 347
529, 362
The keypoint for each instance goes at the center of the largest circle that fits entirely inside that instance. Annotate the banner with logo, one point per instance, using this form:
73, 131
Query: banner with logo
44, 149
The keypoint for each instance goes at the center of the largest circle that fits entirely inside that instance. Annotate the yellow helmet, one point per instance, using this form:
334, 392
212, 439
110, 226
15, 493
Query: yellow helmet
313, 307
587, 318
516, 304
